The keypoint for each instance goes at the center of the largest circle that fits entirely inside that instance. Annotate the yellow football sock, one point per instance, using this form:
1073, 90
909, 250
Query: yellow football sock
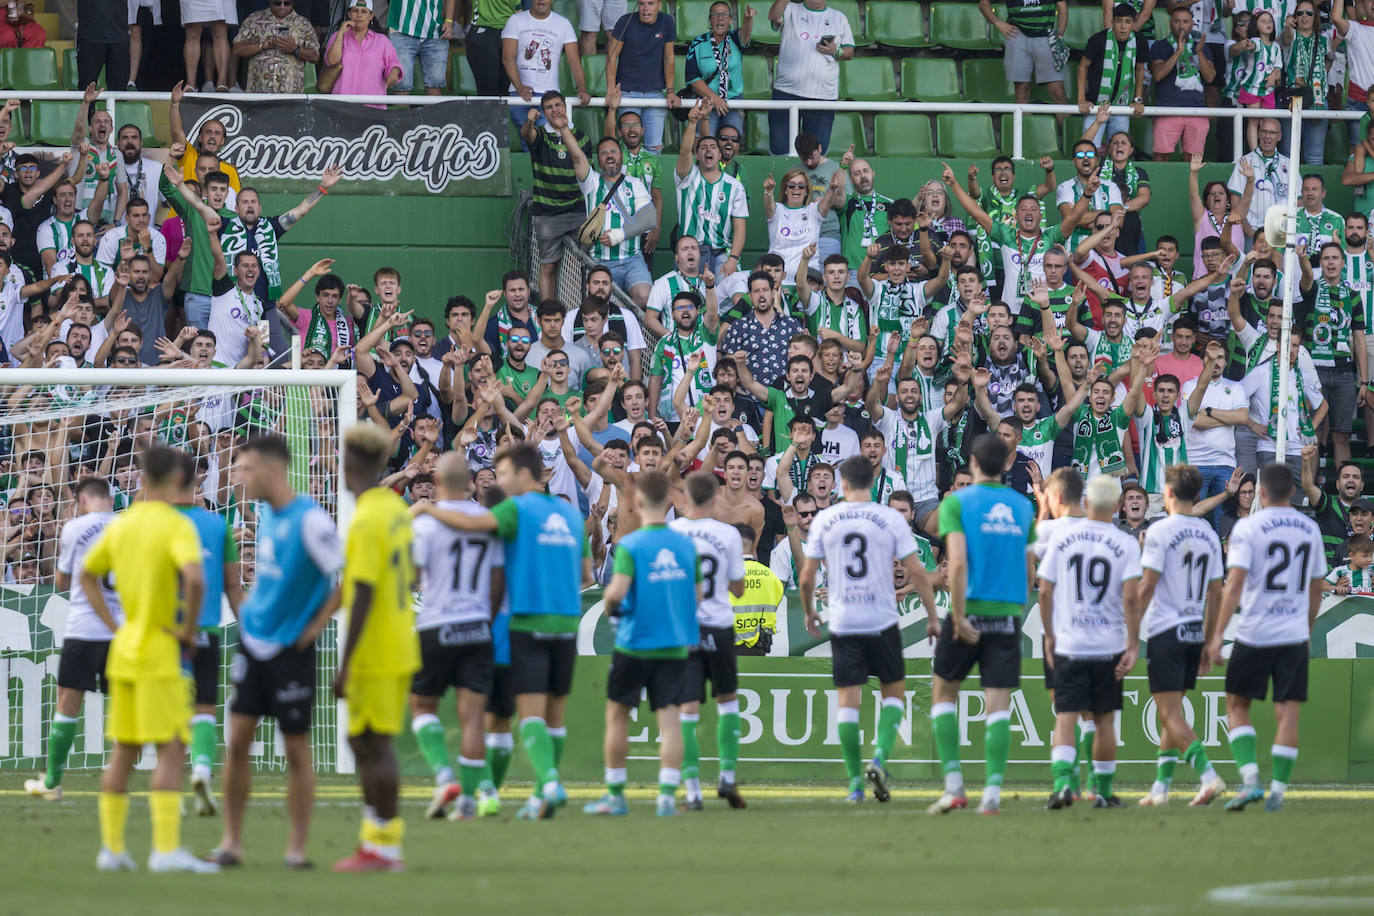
383, 837
165, 808
114, 811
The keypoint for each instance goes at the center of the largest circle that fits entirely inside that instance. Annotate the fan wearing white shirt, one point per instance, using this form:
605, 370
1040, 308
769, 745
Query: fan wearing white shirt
1275, 566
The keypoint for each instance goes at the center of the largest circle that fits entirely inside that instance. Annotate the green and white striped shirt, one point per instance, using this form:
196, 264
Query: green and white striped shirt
619, 210
846, 318
1358, 274
705, 208
894, 309
1161, 443
1361, 580
666, 288
417, 18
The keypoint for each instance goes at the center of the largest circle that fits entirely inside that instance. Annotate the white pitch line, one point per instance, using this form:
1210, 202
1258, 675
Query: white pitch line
1274, 895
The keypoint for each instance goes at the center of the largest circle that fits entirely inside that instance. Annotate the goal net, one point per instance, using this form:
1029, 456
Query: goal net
58, 427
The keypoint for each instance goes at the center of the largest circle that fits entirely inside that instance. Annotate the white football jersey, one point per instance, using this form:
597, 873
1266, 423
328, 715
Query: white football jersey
78, 535
454, 568
721, 553
1281, 551
1187, 555
1089, 562
859, 543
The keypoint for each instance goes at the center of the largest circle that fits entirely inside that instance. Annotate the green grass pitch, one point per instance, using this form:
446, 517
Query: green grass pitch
796, 850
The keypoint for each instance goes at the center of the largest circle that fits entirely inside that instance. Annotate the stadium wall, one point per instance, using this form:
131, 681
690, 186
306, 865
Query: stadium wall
448, 245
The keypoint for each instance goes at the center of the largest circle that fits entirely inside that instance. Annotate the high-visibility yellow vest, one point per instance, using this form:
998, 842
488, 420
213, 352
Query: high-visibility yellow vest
756, 611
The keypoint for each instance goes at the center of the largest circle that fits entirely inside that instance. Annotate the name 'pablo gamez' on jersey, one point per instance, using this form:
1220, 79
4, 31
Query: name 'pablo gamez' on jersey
1187, 555
1281, 551
77, 537
859, 543
721, 555
455, 569
1088, 562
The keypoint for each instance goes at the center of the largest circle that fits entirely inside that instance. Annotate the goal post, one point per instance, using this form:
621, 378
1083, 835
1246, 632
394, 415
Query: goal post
58, 426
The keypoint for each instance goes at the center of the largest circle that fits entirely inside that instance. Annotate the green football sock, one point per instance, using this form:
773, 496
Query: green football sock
429, 735
1164, 766
470, 774
850, 747
1197, 757
498, 762
945, 723
535, 736
615, 780
1283, 760
1104, 780
727, 740
1085, 754
889, 720
60, 737
691, 748
202, 741
1242, 740
1062, 766
998, 745
559, 737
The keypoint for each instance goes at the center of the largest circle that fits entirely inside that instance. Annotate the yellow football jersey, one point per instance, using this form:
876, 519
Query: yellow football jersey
378, 554
145, 547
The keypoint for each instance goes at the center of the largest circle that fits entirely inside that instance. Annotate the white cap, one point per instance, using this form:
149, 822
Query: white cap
366, 3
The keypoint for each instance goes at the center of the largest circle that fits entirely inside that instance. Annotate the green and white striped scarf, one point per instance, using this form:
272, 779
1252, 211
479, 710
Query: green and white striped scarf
235, 239
1305, 427
1118, 72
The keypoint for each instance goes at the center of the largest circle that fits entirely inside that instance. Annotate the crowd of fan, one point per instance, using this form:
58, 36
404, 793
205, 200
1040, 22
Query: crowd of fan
897, 327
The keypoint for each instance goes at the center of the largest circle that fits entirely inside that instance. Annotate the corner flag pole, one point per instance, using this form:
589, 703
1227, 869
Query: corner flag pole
1290, 270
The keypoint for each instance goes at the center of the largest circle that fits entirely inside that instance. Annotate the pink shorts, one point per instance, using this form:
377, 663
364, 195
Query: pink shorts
1168, 131
1249, 98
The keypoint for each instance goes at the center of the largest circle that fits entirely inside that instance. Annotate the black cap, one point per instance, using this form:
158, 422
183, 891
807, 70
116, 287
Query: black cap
1362, 505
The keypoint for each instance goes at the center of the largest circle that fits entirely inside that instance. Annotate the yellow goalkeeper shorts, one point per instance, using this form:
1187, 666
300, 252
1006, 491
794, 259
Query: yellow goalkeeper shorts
377, 703
149, 710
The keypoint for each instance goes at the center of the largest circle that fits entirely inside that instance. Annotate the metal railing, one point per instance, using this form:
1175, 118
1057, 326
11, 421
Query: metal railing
794, 108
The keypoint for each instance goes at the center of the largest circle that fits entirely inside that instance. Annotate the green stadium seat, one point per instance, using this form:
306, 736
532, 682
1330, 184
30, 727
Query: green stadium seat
693, 18
756, 132
1084, 22
985, 80
52, 122
568, 9
69, 72
1041, 96
1142, 133
310, 77
592, 121
902, 135
960, 25
28, 69
868, 79
679, 71
848, 128
764, 33
850, 8
139, 114
968, 136
593, 68
930, 79
18, 136
460, 78
1040, 136
897, 24
758, 81
1337, 142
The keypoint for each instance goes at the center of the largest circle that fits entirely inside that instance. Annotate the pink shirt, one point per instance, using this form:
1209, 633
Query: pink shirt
1185, 370
1205, 230
365, 63
302, 325
174, 231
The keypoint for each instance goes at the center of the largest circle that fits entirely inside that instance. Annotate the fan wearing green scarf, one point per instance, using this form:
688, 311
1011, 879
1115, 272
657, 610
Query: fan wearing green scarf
1112, 71
1335, 331
1307, 407
1099, 429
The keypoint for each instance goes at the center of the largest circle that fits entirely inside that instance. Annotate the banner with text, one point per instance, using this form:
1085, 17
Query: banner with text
453, 149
